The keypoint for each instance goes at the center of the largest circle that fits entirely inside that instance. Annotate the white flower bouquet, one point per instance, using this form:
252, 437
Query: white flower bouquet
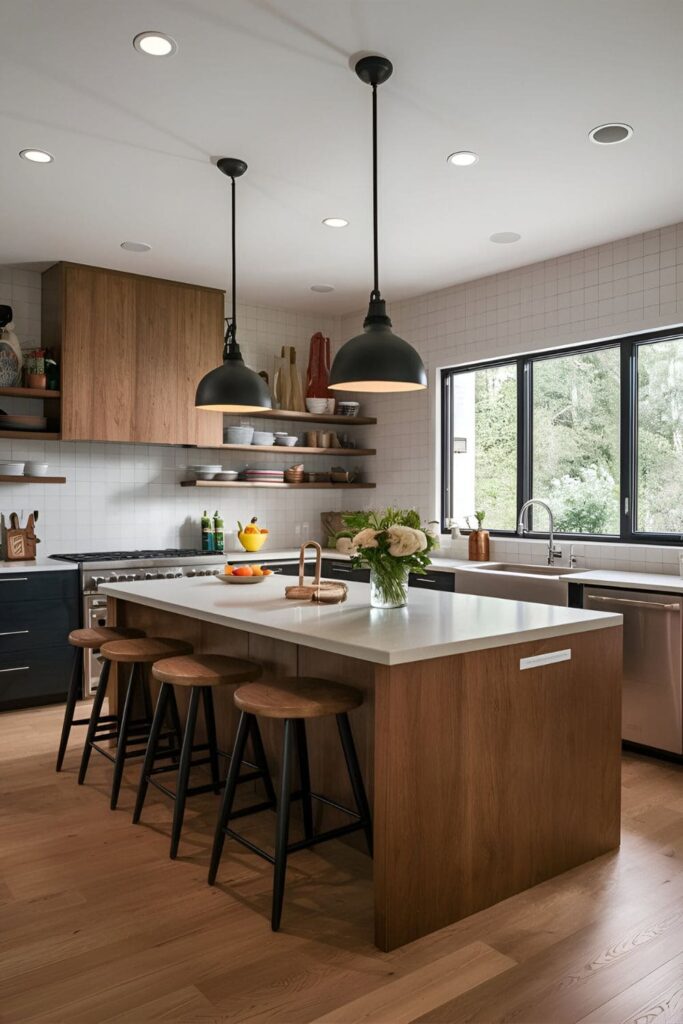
392, 544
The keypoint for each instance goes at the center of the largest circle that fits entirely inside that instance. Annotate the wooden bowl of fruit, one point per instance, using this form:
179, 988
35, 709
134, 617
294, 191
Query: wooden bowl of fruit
243, 574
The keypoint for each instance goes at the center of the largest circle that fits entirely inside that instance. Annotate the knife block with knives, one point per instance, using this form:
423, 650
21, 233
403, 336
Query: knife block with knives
19, 542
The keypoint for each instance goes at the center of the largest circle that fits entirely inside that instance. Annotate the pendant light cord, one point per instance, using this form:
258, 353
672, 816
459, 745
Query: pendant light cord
234, 263
375, 291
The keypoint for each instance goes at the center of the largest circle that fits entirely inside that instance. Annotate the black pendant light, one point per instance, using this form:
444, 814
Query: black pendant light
232, 387
376, 360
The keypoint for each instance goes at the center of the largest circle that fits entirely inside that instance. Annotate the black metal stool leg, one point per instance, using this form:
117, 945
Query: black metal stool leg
100, 694
229, 794
72, 697
210, 721
165, 690
261, 760
122, 744
305, 777
184, 770
146, 694
356, 779
282, 827
175, 721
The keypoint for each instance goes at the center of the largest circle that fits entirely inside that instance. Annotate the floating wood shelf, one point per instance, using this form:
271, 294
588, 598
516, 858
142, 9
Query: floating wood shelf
281, 449
309, 417
282, 486
32, 479
28, 393
29, 435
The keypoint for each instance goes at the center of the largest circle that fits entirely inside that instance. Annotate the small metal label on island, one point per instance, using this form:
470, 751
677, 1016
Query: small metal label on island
545, 659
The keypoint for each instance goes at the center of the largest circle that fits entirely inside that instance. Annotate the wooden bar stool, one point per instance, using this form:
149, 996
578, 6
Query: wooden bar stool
131, 733
91, 639
294, 700
200, 673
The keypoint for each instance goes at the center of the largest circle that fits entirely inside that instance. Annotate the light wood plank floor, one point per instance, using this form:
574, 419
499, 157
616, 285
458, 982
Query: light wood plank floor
96, 924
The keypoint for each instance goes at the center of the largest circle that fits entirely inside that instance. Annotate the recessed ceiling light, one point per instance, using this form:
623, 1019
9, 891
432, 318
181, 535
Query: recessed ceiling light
136, 246
36, 156
463, 158
504, 237
335, 222
155, 44
322, 287
609, 134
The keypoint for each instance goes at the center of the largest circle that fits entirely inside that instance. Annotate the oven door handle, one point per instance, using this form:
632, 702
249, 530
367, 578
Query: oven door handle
659, 606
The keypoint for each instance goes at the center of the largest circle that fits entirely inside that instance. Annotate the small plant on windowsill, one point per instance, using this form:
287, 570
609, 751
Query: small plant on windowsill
392, 544
479, 542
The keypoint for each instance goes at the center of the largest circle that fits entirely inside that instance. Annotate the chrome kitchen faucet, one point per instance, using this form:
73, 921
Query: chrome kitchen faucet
522, 526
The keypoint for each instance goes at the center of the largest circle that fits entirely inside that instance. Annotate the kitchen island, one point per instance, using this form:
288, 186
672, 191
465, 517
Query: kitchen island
489, 737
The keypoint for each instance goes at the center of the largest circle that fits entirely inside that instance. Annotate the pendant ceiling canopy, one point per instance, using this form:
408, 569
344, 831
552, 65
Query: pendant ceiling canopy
232, 387
377, 360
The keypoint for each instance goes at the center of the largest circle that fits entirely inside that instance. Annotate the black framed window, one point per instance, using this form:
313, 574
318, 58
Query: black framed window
594, 430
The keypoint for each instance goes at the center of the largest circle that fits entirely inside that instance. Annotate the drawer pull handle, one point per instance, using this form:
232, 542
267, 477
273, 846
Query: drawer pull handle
14, 632
340, 568
14, 579
660, 606
19, 668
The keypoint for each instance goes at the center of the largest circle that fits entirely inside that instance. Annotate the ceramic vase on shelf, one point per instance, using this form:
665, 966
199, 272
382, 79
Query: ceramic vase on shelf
318, 373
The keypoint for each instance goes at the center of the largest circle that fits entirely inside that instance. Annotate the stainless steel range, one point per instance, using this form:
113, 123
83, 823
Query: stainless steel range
98, 567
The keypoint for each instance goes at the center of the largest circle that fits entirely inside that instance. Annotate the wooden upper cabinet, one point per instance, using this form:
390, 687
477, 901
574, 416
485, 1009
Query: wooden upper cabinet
132, 351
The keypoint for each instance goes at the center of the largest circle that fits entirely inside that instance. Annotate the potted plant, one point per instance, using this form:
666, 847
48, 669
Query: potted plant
479, 543
392, 544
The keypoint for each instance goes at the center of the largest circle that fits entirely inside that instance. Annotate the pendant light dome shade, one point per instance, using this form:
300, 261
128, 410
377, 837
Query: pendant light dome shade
376, 360
232, 387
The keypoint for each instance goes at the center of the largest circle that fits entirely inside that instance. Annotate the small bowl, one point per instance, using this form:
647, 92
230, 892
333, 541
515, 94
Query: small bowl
287, 440
317, 405
204, 476
227, 474
348, 408
238, 435
36, 469
12, 468
239, 579
263, 437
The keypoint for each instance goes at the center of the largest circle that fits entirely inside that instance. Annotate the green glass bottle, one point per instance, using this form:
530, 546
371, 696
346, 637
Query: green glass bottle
218, 533
207, 532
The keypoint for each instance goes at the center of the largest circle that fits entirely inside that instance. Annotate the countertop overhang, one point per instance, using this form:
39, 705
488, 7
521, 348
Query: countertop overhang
431, 625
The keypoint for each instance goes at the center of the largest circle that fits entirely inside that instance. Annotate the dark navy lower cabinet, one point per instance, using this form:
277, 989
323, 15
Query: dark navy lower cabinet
38, 610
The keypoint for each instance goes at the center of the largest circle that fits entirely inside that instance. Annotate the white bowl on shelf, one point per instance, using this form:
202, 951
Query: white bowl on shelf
286, 440
226, 475
12, 468
317, 406
263, 437
36, 469
238, 435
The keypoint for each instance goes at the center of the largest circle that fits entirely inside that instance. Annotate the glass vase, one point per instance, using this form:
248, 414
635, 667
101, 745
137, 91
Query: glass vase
388, 591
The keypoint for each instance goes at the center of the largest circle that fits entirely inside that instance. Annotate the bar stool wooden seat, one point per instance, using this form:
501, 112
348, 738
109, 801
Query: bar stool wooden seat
92, 639
200, 673
294, 700
132, 733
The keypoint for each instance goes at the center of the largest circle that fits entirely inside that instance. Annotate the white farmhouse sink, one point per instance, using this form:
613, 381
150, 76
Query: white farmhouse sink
540, 584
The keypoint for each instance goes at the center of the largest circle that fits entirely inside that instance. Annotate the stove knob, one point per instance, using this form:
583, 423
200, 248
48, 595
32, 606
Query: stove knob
191, 572
113, 578
150, 575
214, 572
96, 580
168, 575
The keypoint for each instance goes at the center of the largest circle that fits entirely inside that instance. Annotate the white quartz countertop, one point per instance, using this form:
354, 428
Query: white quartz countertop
629, 580
430, 626
41, 564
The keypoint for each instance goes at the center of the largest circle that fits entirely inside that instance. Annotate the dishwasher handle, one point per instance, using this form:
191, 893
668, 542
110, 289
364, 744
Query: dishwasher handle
659, 606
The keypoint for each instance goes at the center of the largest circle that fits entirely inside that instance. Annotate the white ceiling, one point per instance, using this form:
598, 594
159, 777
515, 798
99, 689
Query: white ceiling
521, 83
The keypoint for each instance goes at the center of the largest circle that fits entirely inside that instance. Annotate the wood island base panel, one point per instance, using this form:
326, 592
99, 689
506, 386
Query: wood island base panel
485, 777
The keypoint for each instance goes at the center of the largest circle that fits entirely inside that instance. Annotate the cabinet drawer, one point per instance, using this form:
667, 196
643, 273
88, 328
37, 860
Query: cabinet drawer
34, 586
29, 624
35, 677
339, 570
444, 581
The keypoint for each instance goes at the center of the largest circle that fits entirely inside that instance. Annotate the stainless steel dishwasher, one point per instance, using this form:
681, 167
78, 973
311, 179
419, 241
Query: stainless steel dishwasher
652, 708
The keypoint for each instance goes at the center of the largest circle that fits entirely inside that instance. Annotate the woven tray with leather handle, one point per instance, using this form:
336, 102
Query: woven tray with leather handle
319, 591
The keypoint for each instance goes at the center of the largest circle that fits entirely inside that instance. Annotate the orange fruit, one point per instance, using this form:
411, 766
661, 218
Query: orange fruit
267, 572
228, 570
244, 570
256, 570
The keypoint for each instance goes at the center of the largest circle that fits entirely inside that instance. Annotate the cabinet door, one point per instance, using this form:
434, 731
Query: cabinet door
98, 355
155, 370
200, 324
